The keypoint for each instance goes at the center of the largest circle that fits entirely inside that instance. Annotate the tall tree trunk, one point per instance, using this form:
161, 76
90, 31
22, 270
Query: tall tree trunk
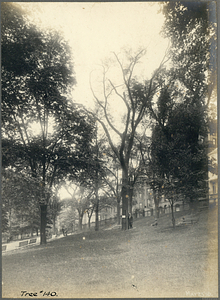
118, 210
54, 225
90, 215
125, 199
131, 192
173, 217
10, 225
43, 207
80, 221
97, 216
43, 214
156, 202
97, 199
118, 199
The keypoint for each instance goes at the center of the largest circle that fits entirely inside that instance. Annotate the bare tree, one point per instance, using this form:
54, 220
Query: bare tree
137, 99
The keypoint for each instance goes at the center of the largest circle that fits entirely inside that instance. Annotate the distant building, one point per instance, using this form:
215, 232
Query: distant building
213, 175
212, 136
213, 161
142, 198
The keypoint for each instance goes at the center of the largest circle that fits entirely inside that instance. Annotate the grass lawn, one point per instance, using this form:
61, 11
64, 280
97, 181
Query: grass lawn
145, 261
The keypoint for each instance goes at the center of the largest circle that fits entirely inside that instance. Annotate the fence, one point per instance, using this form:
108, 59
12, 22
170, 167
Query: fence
101, 223
137, 214
162, 210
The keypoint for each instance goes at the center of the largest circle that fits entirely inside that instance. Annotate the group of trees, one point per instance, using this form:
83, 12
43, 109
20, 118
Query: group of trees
82, 201
19, 215
175, 100
178, 148
37, 74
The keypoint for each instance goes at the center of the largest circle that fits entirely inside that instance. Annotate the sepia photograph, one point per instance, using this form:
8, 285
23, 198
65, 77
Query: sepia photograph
109, 143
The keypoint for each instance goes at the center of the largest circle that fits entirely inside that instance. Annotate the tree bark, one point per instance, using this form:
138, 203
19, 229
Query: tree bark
125, 199
156, 202
118, 211
131, 192
80, 221
97, 216
54, 225
10, 229
173, 217
43, 212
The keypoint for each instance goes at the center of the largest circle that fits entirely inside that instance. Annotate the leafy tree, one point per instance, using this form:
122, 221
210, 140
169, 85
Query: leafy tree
80, 200
54, 209
192, 32
178, 155
178, 158
34, 89
19, 194
105, 201
96, 177
112, 179
90, 210
67, 215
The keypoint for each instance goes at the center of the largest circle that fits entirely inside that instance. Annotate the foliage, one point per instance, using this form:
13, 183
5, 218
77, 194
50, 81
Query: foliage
179, 154
193, 51
80, 200
19, 205
54, 209
178, 160
177, 148
43, 132
68, 215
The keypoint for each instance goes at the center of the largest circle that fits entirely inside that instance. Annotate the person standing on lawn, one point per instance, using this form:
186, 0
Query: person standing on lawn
130, 221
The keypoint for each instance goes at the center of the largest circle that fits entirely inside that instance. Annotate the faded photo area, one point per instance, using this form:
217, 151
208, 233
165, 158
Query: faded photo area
109, 150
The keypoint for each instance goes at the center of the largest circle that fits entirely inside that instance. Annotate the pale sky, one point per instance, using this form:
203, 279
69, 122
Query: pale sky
95, 30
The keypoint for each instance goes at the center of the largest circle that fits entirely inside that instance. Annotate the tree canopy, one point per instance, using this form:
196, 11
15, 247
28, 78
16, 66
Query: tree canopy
42, 130
192, 32
178, 149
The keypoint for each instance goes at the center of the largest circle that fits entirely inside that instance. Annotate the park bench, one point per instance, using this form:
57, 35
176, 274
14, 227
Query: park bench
32, 241
24, 243
188, 219
4, 248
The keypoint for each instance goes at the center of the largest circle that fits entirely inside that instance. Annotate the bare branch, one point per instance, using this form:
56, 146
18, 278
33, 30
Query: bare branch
118, 94
114, 149
104, 107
